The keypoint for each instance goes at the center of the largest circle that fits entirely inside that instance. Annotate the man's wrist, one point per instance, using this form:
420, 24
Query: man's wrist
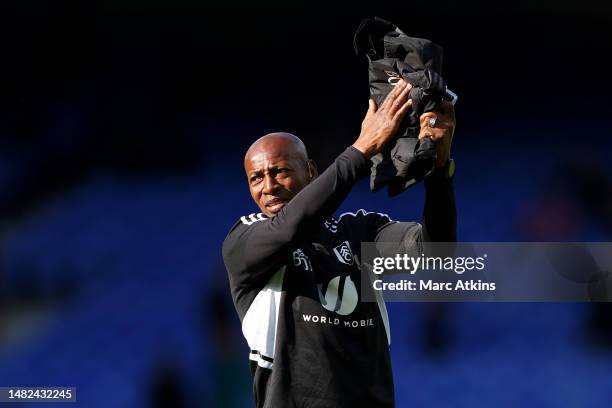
359, 160
444, 171
362, 149
442, 159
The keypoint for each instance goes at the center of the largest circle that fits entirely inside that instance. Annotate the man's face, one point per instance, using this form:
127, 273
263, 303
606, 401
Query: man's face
276, 172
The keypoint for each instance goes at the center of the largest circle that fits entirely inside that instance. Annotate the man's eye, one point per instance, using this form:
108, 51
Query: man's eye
255, 179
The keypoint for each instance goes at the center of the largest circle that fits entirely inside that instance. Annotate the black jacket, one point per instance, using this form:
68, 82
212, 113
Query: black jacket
393, 55
296, 284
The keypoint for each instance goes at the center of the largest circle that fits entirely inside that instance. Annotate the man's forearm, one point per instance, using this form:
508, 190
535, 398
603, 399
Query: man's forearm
317, 200
440, 214
322, 196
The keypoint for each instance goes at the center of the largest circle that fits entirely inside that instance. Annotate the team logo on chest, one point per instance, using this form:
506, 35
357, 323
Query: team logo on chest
344, 254
340, 295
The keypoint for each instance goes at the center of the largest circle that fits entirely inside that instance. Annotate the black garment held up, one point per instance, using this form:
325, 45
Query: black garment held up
393, 55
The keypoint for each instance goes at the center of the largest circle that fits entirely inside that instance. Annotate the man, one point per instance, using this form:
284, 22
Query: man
294, 269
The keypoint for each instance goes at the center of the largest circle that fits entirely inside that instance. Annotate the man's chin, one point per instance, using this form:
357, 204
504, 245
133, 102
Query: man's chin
272, 210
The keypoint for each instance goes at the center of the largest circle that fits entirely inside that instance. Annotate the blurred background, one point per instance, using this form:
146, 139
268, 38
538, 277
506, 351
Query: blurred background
123, 126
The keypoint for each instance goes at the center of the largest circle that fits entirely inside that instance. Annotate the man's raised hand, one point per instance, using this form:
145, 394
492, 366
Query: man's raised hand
380, 124
439, 125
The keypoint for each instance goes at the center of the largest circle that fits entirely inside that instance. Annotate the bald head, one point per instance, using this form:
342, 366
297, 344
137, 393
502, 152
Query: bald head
278, 142
277, 168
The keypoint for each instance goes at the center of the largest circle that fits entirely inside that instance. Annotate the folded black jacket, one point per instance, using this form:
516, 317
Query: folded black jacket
393, 55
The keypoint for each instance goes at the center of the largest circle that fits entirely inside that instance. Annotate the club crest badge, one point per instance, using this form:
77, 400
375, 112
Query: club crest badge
344, 254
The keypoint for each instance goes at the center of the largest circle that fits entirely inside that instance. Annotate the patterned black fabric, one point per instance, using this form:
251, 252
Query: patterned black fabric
393, 55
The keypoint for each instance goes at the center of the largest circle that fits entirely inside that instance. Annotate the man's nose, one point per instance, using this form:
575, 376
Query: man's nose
270, 184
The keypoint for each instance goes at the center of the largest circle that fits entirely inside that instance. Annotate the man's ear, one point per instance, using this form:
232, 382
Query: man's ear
313, 172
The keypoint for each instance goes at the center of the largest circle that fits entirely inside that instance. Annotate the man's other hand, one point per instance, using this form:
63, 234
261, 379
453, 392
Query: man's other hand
439, 125
380, 124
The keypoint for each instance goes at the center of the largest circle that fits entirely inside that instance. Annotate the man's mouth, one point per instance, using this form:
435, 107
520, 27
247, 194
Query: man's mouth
274, 205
